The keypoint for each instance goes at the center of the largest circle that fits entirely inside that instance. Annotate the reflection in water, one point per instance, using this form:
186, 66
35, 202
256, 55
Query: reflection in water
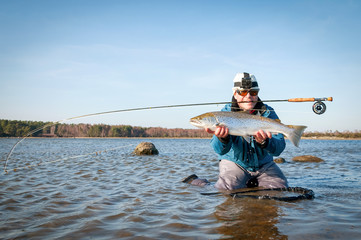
248, 219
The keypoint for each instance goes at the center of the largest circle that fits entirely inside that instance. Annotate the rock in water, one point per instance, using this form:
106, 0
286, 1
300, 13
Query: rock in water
307, 158
146, 148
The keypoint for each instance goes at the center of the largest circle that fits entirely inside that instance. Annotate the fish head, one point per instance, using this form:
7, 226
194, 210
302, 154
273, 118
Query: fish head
206, 120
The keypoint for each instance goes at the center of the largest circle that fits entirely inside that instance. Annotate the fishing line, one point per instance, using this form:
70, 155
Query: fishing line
318, 102
68, 158
304, 194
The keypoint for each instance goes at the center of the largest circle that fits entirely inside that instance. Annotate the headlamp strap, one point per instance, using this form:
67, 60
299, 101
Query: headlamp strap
246, 82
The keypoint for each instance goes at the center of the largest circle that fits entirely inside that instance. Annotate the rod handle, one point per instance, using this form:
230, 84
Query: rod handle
301, 99
310, 99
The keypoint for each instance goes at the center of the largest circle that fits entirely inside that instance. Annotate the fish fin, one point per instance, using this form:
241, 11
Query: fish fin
296, 134
247, 138
220, 124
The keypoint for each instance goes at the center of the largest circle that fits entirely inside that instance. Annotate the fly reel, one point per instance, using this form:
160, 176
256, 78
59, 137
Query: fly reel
319, 107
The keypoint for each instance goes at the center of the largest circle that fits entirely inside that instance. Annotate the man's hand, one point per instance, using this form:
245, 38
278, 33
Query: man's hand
261, 136
221, 131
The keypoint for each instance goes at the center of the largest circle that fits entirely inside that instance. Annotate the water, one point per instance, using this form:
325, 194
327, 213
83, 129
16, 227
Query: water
114, 194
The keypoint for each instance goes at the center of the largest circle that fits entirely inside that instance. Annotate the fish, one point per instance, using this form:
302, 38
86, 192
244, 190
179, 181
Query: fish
246, 125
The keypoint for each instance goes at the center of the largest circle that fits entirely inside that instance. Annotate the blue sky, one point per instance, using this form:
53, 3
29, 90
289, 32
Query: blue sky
60, 59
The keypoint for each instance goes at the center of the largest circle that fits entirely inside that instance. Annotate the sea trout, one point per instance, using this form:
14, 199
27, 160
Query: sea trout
245, 125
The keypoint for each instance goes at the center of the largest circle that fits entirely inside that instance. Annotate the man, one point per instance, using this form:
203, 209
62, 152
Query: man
246, 164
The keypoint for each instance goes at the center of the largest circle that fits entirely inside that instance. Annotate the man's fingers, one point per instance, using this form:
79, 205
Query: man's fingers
209, 131
269, 135
262, 136
221, 131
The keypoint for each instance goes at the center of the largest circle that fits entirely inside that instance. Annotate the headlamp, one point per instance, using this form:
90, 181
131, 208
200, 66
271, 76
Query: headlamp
245, 81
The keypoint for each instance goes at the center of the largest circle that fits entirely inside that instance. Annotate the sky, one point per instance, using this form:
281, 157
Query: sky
61, 59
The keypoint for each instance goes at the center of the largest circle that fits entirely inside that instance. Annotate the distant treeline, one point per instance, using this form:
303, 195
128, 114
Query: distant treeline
14, 128
334, 134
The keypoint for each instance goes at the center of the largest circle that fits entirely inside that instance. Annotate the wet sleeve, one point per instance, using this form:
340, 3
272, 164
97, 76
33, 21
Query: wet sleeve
221, 146
276, 145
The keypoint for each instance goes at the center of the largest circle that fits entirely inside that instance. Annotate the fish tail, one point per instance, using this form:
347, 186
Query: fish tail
295, 135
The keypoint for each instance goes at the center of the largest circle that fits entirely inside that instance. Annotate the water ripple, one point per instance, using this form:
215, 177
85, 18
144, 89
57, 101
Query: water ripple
115, 194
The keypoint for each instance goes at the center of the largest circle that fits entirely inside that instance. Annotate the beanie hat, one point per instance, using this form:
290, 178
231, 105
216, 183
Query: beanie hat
245, 81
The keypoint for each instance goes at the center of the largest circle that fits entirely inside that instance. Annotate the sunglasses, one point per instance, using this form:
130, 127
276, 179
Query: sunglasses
243, 93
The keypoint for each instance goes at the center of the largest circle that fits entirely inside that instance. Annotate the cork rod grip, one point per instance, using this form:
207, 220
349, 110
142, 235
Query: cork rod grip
301, 99
310, 99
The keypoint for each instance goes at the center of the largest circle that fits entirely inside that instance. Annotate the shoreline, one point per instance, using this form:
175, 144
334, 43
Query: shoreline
110, 137
306, 138
329, 138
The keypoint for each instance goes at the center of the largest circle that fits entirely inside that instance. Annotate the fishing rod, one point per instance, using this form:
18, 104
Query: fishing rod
318, 107
318, 101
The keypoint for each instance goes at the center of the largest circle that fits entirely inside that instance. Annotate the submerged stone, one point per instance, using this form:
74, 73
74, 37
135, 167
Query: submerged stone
307, 158
146, 148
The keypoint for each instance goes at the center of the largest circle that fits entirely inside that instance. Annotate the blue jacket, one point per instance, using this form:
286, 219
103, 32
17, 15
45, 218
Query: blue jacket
250, 156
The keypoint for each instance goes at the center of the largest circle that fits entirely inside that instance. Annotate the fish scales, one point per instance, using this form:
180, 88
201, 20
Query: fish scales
244, 124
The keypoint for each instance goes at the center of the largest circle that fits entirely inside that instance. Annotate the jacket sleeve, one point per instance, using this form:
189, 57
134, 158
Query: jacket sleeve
276, 145
221, 147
